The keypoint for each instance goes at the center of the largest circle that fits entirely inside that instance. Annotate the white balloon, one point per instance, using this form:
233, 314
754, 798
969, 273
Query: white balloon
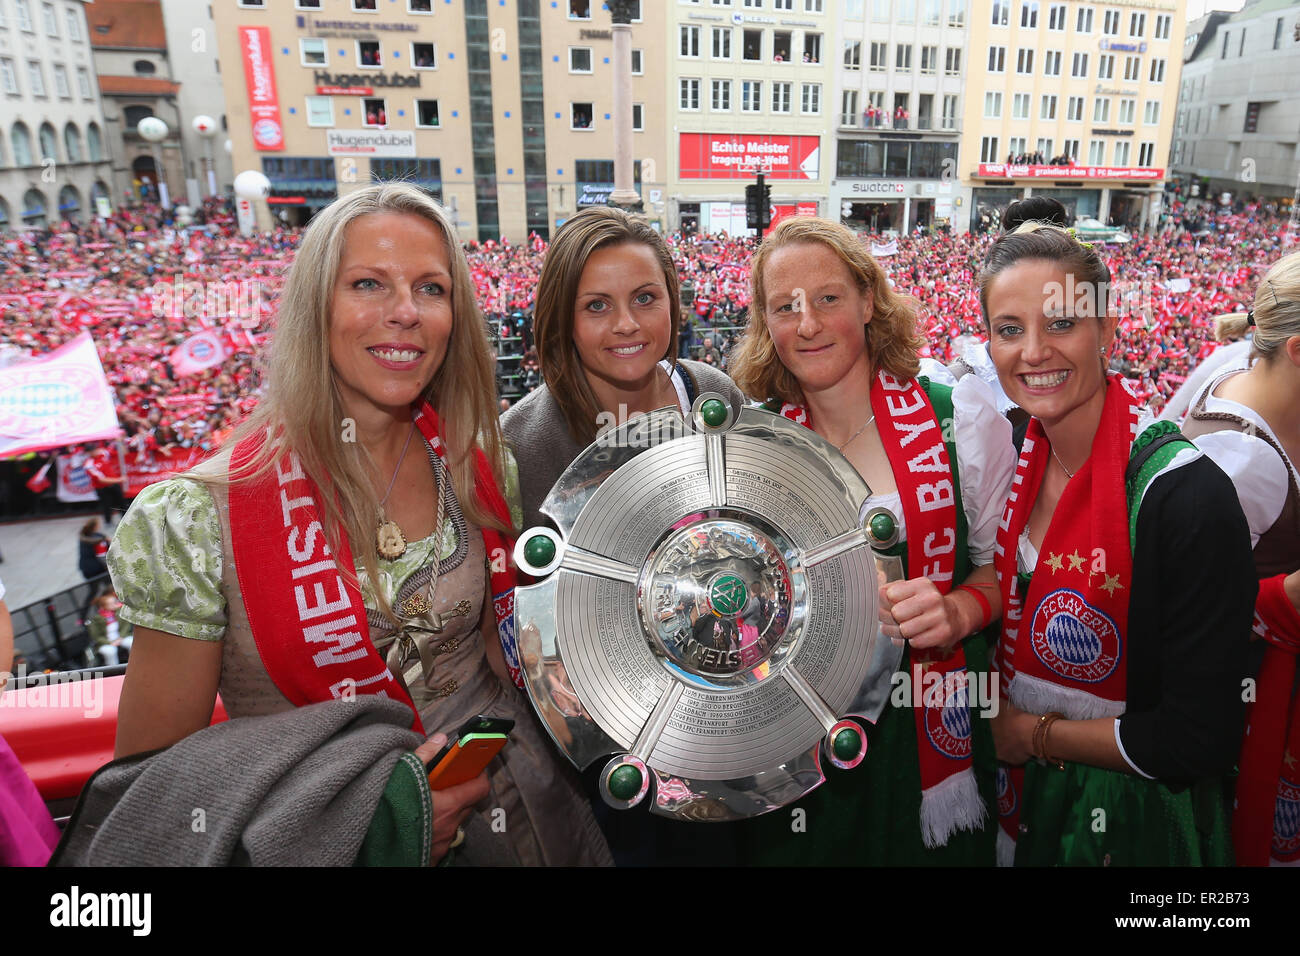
152, 128
250, 184
204, 125
229, 146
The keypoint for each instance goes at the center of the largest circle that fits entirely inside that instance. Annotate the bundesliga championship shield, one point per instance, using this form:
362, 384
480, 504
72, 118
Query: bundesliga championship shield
705, 616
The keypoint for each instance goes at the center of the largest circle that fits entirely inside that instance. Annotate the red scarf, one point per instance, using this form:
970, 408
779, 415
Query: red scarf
289, 575
1071, 659
1266, 816
950, 798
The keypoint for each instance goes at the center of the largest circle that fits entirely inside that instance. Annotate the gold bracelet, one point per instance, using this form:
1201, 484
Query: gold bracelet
1039, 745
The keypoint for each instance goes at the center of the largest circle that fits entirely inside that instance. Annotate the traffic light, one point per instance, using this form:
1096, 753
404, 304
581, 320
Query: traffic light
758, 205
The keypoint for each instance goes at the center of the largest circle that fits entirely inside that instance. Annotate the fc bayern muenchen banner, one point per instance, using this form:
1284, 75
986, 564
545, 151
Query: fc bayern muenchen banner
197, 353
1026, 171
74, 481
60, 398
736, 156
259, 74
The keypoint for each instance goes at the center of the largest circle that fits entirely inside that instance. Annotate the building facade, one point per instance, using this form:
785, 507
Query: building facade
54, 161
1237, 133
1071, 100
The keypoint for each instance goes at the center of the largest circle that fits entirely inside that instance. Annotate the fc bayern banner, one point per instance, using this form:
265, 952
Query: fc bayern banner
259, 74
74, 481
60, 398
198, 353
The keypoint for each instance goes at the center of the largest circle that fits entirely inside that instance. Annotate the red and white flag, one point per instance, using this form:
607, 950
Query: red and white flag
60, 398
198, 353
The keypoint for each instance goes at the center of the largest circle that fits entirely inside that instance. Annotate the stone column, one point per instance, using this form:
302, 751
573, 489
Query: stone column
624, 195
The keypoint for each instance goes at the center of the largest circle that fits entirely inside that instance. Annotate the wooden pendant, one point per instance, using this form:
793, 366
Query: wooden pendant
389, 540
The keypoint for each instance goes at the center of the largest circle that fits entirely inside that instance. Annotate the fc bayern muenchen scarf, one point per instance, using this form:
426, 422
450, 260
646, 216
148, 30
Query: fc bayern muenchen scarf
498, 547
1071, 660
913, 441
1266, 816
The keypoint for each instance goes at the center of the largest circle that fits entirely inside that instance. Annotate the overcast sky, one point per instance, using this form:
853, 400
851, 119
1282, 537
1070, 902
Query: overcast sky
1196, 8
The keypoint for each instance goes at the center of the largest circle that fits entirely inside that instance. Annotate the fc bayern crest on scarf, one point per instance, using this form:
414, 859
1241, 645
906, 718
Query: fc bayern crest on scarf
1286, 823
1073, 639
1007, 802
948, 727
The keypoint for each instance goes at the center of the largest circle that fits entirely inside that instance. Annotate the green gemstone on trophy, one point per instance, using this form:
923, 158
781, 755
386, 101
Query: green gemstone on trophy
625, 782
727, 594
539, 551
847, 744
882, 527
713, 412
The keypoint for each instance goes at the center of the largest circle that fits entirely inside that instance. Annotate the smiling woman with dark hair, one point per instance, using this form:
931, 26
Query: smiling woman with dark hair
1127, 588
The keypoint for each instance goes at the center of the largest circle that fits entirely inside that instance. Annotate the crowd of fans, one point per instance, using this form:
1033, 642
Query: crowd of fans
129, 281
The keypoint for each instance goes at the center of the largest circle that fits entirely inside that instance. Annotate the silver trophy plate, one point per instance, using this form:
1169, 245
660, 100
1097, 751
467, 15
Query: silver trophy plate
706, 612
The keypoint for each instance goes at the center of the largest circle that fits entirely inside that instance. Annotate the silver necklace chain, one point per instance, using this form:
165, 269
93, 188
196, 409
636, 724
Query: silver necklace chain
841, 447
1068, 473
400, 458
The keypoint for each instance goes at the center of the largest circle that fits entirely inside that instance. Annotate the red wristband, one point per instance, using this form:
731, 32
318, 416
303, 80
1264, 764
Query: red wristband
986, 608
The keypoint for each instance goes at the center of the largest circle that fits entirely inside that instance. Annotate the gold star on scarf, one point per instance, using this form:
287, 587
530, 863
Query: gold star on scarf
1112, 584
1054, 562
1288, 759
1076, 560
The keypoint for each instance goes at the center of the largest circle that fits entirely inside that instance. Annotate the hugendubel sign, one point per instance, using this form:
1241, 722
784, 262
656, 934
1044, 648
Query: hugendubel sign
326, 78
259, 74
738, 156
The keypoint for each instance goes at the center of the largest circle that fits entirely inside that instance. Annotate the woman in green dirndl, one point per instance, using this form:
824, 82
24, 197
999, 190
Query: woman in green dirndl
830, 345
1124, 565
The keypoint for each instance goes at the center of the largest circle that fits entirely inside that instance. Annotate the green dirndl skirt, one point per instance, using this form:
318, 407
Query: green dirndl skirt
871, 815
1087, 816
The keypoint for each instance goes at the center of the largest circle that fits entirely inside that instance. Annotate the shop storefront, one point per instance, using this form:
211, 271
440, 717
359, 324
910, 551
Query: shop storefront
889, 207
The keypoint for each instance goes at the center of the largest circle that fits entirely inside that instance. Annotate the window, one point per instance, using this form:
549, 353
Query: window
368, 55
989, 149
1122, 153
358, 6
412, 6
1223, 54
1020, 106
853, 9
1151, 114
950, 111
778, 4
929, 59
992, 105
1071, 148
144, 68
812, 6
22, 145
1110, 23
956, 13
952, 61
1132, 68
903, 56
751, 96
424, 56
74, 24
1157, 71
688, 94
61, 87
8, 75
638, 59
720, 96
812, 47
581, 116
1025, 61
1044, 147
1096, 152
933, 12
72, 143
638, 117
49, 142
925, 111
853, 55
906, 11
83, 83
1252, 118
781, 46
51, 19
849, 109
781, 93
320, 111
426, 114
1101, 110
1137, 24
1056, 17
880, 10
24, 16
311, 52
579, 9
1147, 154
1001, 12
1079, 68
374, 112
1016, 144
690, 41
35, 78
1029, 15
879, 57
579, 59
1105, 66
1127, 110
1241, 46
1047, 109
313, 5
1074, 109
722, 43
754, 4
1083, 22
997, 59
810, 98
753, 49
1162, 26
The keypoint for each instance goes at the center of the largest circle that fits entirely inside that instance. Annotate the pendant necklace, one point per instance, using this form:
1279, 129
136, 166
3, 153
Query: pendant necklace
389, 540
1061, 463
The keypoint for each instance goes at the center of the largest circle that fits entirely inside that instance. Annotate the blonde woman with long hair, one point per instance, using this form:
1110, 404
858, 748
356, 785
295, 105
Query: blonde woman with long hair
832, 346
371, 484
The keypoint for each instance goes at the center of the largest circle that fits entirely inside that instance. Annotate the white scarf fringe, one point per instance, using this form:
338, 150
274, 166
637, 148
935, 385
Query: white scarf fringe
1039, 696
955, 804
1006, 849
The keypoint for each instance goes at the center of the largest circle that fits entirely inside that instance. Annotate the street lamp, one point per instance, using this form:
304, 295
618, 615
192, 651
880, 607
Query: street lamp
206, 127
250, 186
154, 131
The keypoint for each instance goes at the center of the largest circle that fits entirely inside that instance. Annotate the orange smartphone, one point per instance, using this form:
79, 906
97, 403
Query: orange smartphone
477, 742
